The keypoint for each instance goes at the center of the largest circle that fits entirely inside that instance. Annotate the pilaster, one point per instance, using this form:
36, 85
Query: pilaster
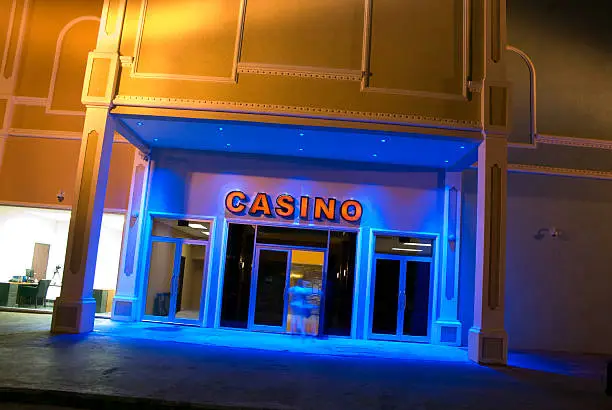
125, 301
73, 311
447, 327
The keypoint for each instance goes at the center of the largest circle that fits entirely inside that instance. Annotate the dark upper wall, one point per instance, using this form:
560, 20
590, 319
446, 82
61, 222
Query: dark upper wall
570, 43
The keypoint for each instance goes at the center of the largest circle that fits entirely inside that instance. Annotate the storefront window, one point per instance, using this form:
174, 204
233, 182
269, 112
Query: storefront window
32, 252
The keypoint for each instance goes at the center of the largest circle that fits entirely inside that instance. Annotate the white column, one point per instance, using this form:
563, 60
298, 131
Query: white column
488, 341
125, 301
447, 327
73, 311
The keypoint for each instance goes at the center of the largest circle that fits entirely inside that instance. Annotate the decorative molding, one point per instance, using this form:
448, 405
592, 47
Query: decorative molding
52, 134
366, 56
126, 61
533, 129
573, 142
7, 44
32, 101
296, 111
233, 78
56, 58
111, 79
322, 73
7, 83
567, 172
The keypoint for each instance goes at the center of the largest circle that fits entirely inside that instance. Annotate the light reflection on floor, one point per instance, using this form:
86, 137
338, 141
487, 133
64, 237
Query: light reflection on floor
277, 342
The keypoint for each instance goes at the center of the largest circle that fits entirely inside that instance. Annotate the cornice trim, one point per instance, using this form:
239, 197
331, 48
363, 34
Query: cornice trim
51, 134
573, 142
567, 172
295, 111
325, 73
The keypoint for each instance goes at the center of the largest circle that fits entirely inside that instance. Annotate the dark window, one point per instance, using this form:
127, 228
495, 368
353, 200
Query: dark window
181, 228
237, 276
340, 283
398, 245
290, 236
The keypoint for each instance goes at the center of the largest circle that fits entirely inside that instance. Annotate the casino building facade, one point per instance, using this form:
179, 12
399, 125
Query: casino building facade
225, 152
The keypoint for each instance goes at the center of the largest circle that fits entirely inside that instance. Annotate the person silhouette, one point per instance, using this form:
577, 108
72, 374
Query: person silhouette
301, 308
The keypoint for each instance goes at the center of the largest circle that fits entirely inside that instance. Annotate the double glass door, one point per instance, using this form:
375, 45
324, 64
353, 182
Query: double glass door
286, 287
400, 310
175, 280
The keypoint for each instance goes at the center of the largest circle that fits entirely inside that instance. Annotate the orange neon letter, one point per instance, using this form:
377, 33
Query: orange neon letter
329, 208
261, 203
304, 204
234, 206
351, 216
285, 206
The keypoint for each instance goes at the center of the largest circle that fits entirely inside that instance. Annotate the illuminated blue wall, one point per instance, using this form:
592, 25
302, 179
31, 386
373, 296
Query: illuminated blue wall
393, 198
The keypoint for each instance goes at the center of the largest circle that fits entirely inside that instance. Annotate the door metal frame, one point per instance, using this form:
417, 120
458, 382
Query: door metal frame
255, 277
401, 302
176, 266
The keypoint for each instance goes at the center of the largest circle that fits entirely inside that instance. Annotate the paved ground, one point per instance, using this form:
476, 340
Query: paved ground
177, 367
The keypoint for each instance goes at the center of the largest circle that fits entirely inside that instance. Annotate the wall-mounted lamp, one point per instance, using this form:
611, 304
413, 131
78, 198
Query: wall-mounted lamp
553, 232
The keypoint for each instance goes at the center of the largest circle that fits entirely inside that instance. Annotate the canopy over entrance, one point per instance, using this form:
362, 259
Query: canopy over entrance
338, 144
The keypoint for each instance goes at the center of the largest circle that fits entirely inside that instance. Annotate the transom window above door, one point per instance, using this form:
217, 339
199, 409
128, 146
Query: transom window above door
404, 245
181, 228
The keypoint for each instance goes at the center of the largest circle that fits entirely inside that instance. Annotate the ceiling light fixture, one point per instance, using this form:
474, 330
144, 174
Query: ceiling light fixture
462, 147
374, 155
301, 134
220, 128
383, 140
407, 250
140, 123
196, 226
155, 139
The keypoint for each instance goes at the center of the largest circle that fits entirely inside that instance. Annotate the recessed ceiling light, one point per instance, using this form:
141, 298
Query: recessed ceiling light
462, 147
220, 128
301, 149
206, 233
301, 134
375, 155
446, 161
155, 139
196, 226
140, 123
228, 145
383, 140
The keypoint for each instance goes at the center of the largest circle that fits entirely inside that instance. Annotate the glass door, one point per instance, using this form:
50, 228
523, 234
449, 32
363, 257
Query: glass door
268, 298
286, 293
400, 309
175, 280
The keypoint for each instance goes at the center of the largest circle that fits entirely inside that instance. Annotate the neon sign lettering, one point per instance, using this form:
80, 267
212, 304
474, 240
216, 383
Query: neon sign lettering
286, 206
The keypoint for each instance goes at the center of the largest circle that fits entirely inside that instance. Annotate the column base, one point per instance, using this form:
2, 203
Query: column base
73, 317
124, 309
446, 332
488, 346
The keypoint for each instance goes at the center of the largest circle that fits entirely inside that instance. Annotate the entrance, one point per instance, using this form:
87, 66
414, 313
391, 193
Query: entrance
287, 284
401, 295
176, 275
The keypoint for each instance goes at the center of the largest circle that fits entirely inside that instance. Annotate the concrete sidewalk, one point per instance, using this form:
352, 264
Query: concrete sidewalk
184, 367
